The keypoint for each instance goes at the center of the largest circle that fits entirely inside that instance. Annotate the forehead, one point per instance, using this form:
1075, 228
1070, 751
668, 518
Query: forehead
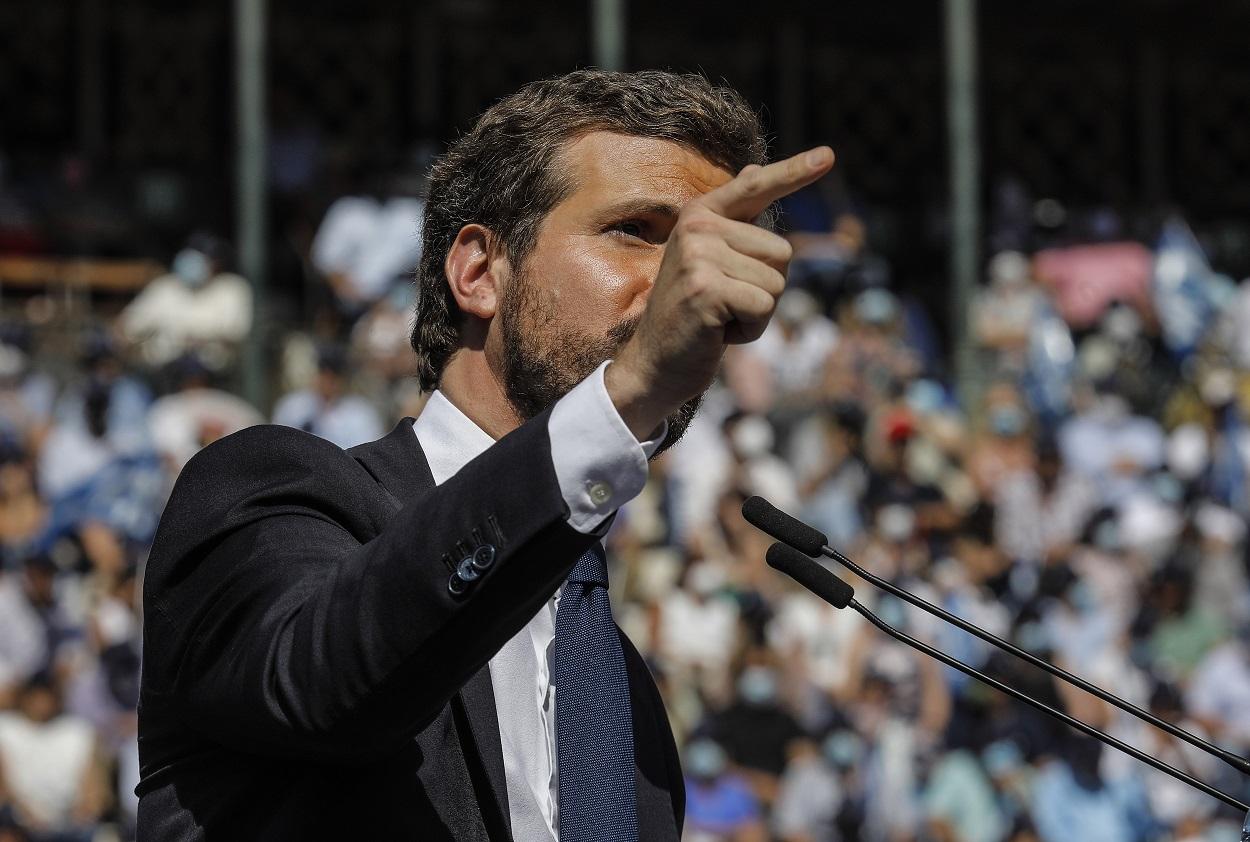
609, 166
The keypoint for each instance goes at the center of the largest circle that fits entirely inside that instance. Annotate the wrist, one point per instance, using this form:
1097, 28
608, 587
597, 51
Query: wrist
633, 400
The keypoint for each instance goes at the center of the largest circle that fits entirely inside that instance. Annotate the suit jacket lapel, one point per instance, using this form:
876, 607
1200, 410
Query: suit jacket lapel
400, 466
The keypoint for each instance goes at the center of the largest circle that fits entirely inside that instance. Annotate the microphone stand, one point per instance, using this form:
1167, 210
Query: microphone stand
793, 532
1088, 730
840, 595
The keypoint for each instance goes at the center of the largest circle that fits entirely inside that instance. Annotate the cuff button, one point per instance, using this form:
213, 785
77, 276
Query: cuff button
467, 571
600, 493
457, 586
483, 558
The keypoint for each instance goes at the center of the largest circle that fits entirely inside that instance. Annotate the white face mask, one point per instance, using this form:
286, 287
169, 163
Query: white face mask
1188, 452
1218, 387
1122, 324
1113, 407
896, 522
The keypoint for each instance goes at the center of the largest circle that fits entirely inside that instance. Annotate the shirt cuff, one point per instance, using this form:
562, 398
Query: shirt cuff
599, 463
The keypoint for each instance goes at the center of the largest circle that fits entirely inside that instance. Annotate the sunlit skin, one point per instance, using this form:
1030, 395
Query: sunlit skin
595, 260
650, 230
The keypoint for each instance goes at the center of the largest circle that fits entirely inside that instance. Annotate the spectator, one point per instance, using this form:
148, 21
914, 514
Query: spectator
1006, 312
720, 806
326, 410
199, 306
809, 797
49, 767
1219, 692
364, 245
196, 414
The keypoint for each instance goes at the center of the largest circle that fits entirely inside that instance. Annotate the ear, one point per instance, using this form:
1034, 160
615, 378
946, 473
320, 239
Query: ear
471, 271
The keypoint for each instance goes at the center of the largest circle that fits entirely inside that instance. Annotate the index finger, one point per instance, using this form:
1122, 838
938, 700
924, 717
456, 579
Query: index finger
755, 188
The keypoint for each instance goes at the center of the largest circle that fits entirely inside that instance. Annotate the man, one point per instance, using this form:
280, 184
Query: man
368, 644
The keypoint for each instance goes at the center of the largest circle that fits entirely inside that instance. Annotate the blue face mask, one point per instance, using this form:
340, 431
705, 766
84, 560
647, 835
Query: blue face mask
757, 686
1007, 421
192, 266
1083, 598
705, 760
1002, 758
841, 749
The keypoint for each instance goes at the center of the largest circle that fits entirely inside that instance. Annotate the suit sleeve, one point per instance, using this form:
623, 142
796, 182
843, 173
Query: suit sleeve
281, 620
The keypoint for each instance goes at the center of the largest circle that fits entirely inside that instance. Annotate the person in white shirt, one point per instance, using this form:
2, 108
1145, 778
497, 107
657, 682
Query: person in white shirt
198, 306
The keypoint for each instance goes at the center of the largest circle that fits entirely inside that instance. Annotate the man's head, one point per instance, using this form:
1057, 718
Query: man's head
551, 214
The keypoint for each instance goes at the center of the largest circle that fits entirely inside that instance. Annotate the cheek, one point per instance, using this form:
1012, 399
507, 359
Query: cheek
603, 280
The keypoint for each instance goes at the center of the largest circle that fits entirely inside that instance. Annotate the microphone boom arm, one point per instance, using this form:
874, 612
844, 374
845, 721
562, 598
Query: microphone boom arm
1238, 763
1088, 730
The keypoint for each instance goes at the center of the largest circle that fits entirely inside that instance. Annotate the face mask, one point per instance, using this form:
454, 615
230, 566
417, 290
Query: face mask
841, 749
891, 612
896, 522
1113, 407
925, 396
192, 266
705, 579
753, 437
757, 686
1218, 387
1002, 758
1082, 598
1007, 421
1188, 452
705, 760
1122, 324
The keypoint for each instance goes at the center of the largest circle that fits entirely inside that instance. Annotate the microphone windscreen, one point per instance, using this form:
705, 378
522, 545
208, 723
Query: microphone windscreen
811, 574
764, 516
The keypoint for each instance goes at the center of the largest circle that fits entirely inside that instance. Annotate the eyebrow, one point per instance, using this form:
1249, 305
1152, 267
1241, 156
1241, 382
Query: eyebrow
639, 207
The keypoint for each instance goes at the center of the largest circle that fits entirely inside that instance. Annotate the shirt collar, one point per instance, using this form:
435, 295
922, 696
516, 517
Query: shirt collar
449, 438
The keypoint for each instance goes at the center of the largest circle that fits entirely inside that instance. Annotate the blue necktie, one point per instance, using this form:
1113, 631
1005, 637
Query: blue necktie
594, 729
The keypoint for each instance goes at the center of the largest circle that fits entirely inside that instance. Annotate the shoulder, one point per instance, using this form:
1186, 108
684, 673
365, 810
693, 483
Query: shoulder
261, 451
262, 471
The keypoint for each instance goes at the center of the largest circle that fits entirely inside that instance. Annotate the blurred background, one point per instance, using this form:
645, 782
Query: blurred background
1010, 374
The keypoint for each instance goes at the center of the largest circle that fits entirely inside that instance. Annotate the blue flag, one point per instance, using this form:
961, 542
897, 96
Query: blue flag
1188, 294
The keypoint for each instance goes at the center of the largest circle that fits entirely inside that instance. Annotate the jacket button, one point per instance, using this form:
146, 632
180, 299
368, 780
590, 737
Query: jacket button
483, 558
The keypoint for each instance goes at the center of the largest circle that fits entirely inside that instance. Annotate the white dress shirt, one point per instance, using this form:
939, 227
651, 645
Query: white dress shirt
600, 465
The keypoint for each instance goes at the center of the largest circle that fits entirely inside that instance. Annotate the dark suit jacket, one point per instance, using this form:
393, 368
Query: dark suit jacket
307, 672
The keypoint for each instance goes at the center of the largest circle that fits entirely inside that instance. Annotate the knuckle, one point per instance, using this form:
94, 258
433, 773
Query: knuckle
775, 283
760, 305
753, 182
702, 221
695, 249
699, 283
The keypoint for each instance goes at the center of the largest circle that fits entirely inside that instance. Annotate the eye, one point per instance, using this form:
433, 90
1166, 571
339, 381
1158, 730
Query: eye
634, 228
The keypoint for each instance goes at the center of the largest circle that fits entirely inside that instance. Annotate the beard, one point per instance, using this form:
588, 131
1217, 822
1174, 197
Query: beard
543, 358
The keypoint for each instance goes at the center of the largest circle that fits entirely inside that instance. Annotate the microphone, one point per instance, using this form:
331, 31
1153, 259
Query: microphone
810, 575
790, 530
839, 594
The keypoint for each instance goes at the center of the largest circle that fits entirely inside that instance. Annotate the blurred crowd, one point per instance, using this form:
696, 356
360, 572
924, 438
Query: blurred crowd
1084, 494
